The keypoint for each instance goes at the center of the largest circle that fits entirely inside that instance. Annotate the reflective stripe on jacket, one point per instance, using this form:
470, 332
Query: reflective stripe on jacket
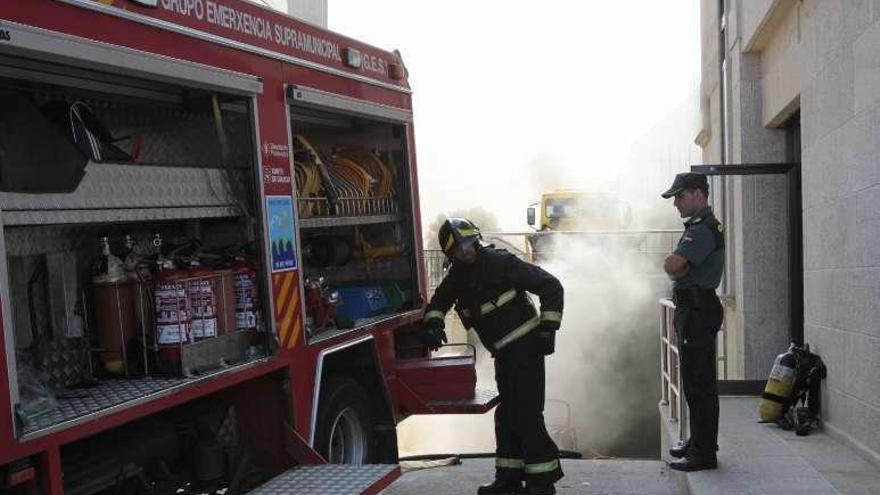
490, 296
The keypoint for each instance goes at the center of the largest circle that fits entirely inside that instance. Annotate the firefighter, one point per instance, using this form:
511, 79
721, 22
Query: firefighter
695, 268
488, 287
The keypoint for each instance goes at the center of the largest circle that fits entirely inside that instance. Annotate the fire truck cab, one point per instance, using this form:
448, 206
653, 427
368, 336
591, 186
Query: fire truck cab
211, 271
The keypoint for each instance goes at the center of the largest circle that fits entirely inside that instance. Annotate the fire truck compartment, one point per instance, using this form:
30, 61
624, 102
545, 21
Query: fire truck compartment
355, 212
145, 277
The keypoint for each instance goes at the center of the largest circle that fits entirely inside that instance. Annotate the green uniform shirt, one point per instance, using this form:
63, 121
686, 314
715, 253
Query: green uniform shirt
702, 245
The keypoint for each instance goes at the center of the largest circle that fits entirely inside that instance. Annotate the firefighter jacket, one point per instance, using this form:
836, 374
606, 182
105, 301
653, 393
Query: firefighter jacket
490, 296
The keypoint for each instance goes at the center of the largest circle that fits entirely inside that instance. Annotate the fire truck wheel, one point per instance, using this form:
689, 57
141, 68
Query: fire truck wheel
344, 426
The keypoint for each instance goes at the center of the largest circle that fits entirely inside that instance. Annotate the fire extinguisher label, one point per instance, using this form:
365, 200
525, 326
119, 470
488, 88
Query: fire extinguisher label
245, 320
172, 317
171, 334
279, 210
204, 314
245, 302
204, 328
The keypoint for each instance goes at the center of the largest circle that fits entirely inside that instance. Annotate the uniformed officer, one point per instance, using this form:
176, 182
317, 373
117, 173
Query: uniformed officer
488, 288
695, 268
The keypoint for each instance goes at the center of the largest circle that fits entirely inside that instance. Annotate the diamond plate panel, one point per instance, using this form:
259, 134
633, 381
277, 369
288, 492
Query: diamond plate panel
481, 396
170, 135
108, 394
81, 402
483, 400
42, 239
66, 361
115, 215
328, 479
45, 239
115, 186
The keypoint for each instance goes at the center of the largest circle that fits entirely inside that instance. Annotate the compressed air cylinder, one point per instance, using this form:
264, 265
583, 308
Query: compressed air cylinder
779, 386
115, 323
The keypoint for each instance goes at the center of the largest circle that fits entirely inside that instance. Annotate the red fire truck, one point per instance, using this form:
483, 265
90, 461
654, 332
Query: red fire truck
210, 257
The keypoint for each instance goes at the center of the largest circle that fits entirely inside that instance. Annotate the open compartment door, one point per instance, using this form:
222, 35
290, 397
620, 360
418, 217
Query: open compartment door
444, 383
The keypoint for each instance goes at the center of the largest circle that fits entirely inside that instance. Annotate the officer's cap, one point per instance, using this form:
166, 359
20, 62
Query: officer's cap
685, 181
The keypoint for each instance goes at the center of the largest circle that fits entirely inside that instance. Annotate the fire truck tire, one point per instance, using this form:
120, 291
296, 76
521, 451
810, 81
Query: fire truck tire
344, 428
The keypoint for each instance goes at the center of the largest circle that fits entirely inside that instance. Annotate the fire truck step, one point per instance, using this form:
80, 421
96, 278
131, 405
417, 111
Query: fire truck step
483, 400
331, 479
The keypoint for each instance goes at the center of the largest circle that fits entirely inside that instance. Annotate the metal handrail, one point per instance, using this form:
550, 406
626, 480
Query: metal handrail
671, 394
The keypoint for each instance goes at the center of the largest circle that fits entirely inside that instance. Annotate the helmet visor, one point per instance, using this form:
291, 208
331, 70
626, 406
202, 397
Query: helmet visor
458, 237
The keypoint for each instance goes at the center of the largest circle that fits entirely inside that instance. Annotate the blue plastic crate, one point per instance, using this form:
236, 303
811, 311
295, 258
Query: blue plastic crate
362, 302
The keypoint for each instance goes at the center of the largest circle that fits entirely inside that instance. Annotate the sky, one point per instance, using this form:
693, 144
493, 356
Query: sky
514, 97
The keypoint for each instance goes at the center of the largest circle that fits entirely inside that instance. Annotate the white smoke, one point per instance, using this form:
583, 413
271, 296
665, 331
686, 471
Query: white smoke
606, 368
606, 363
624, 130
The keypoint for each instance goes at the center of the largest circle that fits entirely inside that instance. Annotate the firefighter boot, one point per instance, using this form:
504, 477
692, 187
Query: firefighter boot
501, 487
539, 489
693, 463
680, 449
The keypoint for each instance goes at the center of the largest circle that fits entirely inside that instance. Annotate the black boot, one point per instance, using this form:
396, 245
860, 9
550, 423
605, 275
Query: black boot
499, 487
680, 449
694, 463
538, 489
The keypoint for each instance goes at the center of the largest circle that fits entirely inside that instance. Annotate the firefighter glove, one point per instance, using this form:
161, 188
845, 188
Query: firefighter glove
547, 341
548, 326
434, 336
547, 336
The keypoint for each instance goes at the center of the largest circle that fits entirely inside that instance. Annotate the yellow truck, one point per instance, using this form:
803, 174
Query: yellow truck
577, 210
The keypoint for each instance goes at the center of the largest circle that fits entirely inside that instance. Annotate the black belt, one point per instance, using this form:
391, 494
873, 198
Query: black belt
691, 296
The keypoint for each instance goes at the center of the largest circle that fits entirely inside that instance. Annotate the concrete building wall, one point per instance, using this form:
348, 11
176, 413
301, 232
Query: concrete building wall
820, 58
756, 315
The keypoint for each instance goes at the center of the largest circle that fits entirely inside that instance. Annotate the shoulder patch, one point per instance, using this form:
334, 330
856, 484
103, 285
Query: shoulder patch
720, 227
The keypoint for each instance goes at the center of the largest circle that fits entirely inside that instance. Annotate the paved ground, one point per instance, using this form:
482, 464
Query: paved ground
595, 477
759, 458
754, 459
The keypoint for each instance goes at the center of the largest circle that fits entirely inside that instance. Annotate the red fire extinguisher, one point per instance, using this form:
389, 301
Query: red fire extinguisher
202, 288
173, 316
247, 295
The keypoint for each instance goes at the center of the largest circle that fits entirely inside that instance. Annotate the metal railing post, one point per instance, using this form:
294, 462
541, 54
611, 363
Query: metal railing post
670, 370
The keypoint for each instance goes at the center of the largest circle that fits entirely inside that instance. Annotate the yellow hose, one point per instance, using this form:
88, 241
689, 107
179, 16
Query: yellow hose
353, 179
369, 161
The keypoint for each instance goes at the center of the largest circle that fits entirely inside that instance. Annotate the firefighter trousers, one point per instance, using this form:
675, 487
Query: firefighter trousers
697, 323
524, 449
